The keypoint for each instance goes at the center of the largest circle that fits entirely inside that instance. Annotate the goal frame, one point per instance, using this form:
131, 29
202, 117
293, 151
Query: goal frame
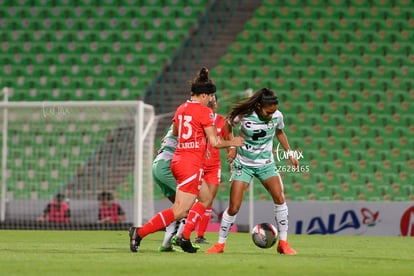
141, 131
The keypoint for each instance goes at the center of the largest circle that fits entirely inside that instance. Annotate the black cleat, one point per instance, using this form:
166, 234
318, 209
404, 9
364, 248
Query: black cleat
134, 239
186, 245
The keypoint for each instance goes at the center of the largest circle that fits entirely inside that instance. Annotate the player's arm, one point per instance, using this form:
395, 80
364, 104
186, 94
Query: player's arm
218, 142
175, 130
283, 140
231, 152
228, 129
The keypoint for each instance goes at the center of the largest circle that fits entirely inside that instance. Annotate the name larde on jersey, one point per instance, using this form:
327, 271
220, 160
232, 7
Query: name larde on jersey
189, 145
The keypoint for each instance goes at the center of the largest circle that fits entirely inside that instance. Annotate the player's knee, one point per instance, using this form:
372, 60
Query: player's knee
232, 211
279, 199
180, 214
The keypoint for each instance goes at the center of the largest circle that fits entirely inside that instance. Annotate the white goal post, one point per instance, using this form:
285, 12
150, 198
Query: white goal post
79, 149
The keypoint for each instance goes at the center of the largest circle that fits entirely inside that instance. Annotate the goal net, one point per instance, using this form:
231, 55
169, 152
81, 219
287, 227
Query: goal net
77, 150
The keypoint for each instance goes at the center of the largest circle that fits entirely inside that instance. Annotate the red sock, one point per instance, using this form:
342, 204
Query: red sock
194, 216
159, 221
202, 226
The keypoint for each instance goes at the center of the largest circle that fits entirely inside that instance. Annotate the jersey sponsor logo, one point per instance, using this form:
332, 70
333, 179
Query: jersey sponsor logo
248, 124
239, 170
270, 124
260, 148
257, 134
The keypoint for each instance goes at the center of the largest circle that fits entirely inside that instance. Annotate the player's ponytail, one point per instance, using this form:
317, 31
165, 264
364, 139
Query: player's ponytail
202, 84
203, 75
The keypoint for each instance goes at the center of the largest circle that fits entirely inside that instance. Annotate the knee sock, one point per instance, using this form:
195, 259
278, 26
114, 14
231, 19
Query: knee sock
194, 216
170, 232
281, 217
159, 221
202, 226
225, 226
181, 227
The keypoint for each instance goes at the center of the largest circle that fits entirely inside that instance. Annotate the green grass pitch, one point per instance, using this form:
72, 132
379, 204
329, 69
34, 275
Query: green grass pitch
24, 252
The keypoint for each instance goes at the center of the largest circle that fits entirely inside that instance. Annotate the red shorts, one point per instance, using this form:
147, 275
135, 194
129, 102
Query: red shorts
212, 175
188, 176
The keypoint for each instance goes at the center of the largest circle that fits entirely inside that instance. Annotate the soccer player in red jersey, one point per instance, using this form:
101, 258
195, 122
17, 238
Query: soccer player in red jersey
193, 124
212, 171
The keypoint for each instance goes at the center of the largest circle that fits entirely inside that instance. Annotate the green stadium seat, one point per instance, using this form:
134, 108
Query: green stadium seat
99, 33
341, 75
343, 81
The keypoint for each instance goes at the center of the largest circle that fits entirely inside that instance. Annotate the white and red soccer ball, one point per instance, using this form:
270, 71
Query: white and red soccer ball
264, 235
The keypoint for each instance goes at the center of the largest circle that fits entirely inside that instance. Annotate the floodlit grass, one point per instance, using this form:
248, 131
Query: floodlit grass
107, 253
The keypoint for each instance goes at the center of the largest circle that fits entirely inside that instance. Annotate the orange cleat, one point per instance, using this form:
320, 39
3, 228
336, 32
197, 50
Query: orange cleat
284, 248
216, 248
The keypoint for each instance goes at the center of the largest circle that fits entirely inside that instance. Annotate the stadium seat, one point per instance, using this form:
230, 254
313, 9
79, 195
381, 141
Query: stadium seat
56, 34
343, 82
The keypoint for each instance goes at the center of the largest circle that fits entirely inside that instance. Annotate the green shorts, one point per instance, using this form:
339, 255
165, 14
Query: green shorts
246, 174
161, 172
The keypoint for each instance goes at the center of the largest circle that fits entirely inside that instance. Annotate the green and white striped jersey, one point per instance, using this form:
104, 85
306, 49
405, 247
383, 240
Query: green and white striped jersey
259, 135
168, 145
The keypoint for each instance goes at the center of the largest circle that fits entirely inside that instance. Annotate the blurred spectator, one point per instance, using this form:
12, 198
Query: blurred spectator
56, 211
110, 211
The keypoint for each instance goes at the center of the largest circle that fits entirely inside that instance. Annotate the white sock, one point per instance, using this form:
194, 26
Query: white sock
225, 226
181, 227
169, 233
281, 217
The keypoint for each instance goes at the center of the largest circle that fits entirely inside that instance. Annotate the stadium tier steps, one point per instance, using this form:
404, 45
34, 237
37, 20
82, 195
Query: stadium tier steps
343, 72
90, 50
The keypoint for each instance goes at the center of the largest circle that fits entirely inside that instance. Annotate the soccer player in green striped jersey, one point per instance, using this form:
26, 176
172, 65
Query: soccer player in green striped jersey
259, 122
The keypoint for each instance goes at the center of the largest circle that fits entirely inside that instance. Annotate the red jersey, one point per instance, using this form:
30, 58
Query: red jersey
214, 161
187, 163
191, 118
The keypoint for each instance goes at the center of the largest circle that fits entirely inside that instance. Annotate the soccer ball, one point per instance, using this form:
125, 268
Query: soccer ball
264, 235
